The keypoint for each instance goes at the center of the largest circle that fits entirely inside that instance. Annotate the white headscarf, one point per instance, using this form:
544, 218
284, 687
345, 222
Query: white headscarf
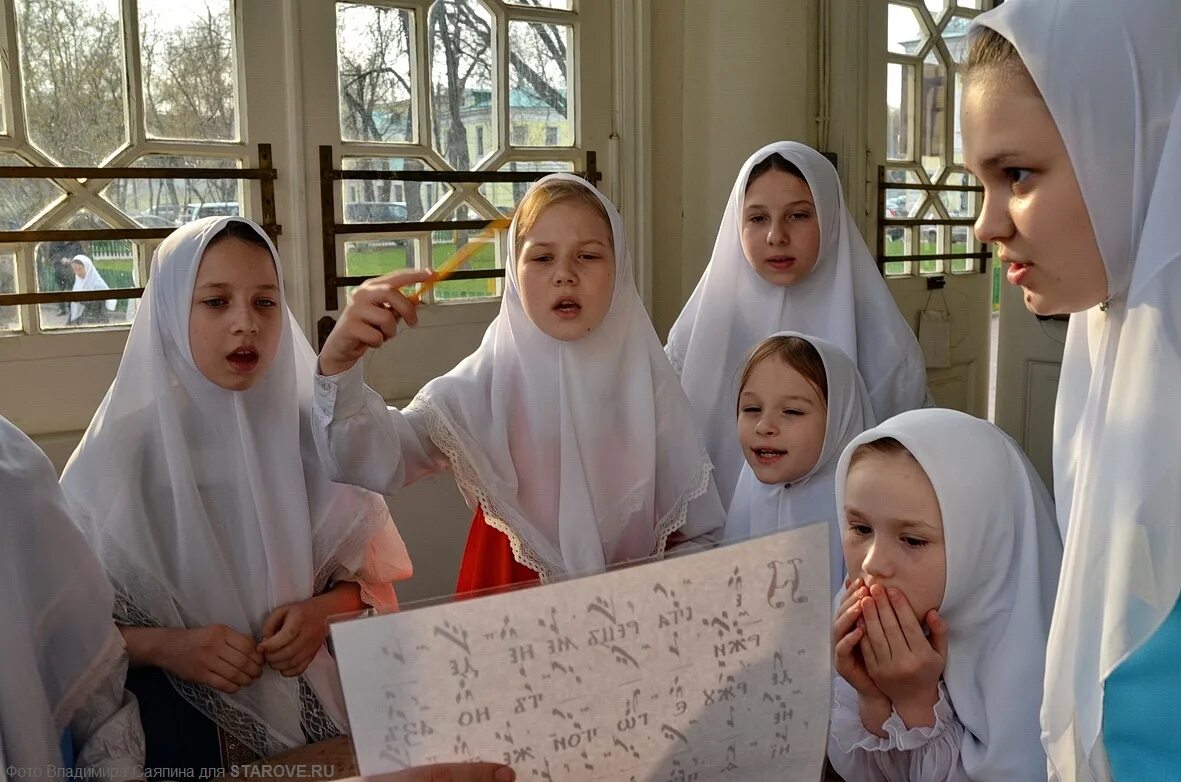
1003, 552
1110, 74
759, 508
91, 281
584, 453
210, 506
843, 300
57, 641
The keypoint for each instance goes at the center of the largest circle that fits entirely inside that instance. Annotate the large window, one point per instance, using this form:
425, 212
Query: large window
457, 85
925, 48
111, 83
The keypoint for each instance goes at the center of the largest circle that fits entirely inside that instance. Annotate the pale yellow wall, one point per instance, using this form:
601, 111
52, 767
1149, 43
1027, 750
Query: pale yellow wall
728, 77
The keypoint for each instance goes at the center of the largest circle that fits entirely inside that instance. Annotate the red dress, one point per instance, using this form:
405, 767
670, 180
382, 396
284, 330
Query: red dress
488, 565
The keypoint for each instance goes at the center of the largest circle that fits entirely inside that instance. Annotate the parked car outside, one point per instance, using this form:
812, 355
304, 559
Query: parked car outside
375, 212
211, 209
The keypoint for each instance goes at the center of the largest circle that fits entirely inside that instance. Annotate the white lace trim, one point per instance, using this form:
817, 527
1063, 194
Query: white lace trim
440, 432
676, 518
675, 358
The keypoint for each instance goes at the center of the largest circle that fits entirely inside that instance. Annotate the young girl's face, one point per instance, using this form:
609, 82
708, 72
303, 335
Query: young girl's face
894, 531
566, 269
781, 422
236, 316
1033, 209
780, 230
79, 269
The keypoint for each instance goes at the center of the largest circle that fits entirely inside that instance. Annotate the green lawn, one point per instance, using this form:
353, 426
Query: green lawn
117, 272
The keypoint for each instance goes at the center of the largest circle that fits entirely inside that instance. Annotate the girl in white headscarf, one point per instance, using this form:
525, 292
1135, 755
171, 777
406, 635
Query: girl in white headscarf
800, 401
566, 429
939, 641
199, 485
789, 257
1072, 121
63, 660
87, 278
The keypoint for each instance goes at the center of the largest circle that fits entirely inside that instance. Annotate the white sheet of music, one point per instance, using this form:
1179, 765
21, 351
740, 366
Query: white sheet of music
714, 666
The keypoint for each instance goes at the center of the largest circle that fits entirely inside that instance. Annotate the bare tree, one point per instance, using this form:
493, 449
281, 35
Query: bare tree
375, 85
188, 78
376, 90
72, 74
190, 93
538, 52
459, 52
538, 59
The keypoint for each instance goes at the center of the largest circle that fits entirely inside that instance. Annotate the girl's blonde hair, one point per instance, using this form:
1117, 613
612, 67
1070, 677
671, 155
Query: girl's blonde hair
989, 50
542, 196
798, 353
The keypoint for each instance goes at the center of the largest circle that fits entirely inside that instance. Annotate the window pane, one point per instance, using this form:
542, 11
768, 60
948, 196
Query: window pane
444, 245
934, 114
957, 141
564, 5
903, 175
959, 203
373, 201
955, 38
932, 240
163, 203
3, 105
900, 203
188, 70
905, 32
461, 79
23, 199
374, 59
899, 111
378, 256
506, 195
10, 317
937, 8
73, 74
898, 241
962, 241
114, 263
539, 61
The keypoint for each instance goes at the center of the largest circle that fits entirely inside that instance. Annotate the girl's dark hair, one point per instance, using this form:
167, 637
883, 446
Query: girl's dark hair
241, 230
798, 353
773, 162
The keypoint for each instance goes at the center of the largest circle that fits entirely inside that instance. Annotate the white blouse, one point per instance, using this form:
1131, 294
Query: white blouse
106, 730
924, 754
